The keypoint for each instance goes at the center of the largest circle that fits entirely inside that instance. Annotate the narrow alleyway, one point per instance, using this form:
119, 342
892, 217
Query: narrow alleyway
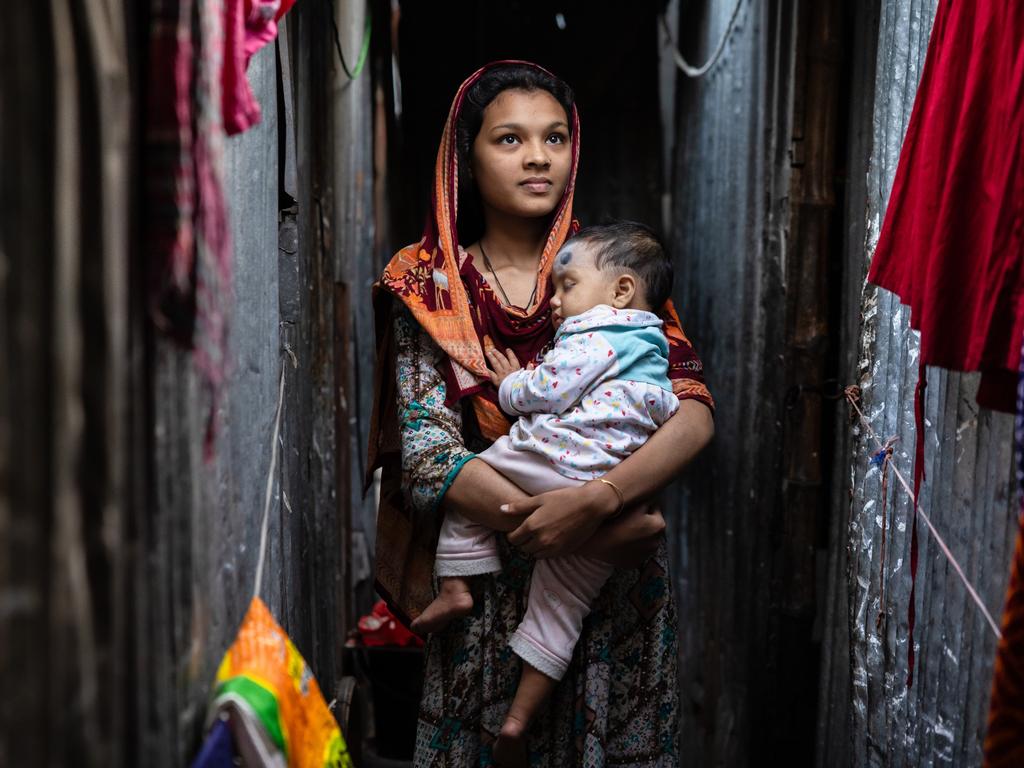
165, 285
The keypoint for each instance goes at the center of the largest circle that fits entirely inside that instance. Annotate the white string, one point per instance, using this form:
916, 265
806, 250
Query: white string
942, 544
688, 69
270, 488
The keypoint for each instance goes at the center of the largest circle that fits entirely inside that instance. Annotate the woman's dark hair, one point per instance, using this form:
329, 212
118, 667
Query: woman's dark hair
501, 77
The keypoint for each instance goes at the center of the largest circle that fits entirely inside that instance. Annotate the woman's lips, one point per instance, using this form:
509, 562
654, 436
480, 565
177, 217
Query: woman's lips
537, 186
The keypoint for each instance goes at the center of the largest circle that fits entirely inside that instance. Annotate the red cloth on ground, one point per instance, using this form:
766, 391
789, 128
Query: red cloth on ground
951, 245
381, 627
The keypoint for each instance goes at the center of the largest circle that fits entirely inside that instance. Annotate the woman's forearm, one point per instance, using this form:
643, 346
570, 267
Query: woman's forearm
660, 460
478, 492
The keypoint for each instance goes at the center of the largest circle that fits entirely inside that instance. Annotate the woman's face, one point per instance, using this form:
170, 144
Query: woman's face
521, 156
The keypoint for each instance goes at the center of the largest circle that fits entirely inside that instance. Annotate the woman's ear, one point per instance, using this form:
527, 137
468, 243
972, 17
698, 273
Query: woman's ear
625, 290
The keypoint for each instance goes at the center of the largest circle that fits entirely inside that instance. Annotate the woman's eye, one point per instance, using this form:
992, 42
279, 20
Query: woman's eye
508, 139
556, 138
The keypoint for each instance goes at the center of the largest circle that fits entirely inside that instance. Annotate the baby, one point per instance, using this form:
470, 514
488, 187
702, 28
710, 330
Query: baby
596, 397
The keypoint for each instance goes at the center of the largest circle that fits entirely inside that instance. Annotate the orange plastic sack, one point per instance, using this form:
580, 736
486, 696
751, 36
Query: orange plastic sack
264, 679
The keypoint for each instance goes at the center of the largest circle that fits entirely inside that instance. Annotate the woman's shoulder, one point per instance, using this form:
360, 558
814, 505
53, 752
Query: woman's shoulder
420, 247
404, 259
416, 264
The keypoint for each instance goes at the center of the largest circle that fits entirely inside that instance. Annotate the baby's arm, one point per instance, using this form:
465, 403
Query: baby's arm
570, 370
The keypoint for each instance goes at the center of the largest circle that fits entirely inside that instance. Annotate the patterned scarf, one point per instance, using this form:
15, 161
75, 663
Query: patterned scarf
426, 276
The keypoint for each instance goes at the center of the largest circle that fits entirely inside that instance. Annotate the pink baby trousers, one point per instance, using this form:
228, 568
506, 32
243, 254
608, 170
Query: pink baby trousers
562, 589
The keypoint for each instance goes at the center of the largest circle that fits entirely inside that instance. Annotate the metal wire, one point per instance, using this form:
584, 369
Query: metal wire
271, 474
688, 69
851, 398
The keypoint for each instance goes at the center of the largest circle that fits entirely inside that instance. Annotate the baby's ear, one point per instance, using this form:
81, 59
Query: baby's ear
625, 290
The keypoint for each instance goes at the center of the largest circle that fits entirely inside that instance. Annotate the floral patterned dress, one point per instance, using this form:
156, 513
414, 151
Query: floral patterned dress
618, 705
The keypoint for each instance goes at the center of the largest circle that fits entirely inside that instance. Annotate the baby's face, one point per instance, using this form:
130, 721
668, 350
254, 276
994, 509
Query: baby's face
579, 285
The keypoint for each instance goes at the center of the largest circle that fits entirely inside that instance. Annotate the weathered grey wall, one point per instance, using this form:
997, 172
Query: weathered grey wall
869, 717
779, 308
126, 560
201, 542
202, 539
729, 292
832, 731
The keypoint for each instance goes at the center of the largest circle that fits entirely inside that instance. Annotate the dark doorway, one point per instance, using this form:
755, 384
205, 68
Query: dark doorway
610, 61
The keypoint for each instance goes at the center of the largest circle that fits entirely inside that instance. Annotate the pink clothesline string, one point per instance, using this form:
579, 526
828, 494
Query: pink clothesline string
852, 399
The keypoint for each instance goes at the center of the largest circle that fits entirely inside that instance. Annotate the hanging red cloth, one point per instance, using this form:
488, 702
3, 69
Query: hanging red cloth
248, 26
951, 244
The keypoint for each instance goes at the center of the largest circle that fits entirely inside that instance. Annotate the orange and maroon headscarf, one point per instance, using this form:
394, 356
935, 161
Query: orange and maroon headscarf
428, 276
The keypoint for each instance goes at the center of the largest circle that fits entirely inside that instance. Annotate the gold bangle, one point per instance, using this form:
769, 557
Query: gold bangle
618, 492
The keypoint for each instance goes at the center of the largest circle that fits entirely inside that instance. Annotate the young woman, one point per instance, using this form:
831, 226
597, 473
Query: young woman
504, 185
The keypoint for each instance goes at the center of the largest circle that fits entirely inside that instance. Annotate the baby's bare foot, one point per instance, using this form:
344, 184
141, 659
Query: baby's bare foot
510, 748
453, 602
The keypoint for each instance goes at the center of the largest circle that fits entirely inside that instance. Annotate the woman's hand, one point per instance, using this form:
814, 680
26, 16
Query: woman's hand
561, 521
628, 540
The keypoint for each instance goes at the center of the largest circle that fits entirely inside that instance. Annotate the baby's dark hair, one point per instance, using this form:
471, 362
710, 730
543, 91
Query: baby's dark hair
499, 78
627, 246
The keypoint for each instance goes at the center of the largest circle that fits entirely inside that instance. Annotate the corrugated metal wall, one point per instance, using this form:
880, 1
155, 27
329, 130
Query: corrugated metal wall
869, 717
357, 265
724, 524
126, 560
778, 529
297, 189
202, 539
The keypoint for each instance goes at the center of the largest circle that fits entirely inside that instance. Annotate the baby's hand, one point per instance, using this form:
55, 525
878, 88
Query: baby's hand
503, 365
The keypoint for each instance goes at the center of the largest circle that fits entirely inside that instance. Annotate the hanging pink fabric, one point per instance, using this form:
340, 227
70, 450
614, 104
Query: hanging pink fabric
248, 26
186, 227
